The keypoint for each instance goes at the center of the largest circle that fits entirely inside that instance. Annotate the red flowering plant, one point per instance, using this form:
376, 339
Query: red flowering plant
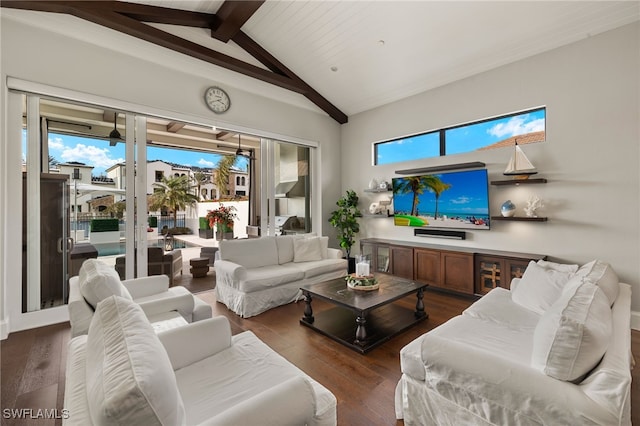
223, 215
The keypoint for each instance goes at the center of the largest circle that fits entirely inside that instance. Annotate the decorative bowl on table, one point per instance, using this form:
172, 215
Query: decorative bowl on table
362, 283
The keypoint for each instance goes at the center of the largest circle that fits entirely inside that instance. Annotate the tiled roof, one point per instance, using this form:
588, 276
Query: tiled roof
101, 179
522, 140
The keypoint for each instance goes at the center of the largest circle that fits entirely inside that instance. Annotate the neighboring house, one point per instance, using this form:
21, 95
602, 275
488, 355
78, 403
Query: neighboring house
157, 169
87, 198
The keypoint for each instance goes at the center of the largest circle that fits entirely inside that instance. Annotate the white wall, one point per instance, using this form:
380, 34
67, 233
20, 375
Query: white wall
591, 156
31, 51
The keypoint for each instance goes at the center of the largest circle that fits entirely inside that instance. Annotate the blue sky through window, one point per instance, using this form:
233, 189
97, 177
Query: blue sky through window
98, 153
460, 139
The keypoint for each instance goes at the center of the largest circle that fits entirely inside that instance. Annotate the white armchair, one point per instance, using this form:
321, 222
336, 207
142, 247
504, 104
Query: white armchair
220, 380
166, 307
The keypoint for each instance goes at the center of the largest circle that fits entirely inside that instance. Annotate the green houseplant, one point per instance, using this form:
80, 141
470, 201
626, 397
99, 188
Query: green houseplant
344, 219
204, 229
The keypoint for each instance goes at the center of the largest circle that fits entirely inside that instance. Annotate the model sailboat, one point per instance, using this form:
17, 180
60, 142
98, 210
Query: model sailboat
519, 165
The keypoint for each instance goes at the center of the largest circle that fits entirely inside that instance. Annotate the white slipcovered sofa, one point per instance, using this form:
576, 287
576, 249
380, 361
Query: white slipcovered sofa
123, 373
166, 307
256, 274
554, 350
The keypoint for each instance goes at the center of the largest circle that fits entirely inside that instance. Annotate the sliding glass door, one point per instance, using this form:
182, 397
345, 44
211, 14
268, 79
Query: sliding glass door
79, 195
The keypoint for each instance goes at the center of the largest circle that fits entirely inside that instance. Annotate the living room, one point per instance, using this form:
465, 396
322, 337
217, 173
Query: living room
591, 158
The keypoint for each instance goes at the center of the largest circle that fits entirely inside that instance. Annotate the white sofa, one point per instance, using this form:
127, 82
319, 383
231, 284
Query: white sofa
257, 274
166, 307
555, 350
124, 373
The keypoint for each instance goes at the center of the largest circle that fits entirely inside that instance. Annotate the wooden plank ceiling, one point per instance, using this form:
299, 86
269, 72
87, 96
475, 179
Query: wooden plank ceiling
225, 25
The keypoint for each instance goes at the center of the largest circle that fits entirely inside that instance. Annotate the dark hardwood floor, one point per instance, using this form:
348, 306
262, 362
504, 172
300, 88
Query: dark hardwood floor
33, 361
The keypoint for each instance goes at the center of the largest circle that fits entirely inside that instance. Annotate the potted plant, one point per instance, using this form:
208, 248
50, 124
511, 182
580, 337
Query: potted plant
344, 219
204, 229
223, 218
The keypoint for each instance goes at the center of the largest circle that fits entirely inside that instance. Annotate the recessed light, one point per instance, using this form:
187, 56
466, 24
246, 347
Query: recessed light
381, 43
334, 69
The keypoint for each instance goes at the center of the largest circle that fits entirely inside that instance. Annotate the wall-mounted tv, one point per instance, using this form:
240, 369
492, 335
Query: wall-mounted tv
443, 200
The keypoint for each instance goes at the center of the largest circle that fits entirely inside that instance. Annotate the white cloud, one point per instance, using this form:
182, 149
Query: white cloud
56, 143
461, 200
517, 126
90, 155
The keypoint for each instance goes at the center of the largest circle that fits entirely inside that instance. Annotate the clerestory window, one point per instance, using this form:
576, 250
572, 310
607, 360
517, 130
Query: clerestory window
522, 127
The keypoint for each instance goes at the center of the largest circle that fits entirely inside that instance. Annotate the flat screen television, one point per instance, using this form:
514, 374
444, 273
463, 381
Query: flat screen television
443, 200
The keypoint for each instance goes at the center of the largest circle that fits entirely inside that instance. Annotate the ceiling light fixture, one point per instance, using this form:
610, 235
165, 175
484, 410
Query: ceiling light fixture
239, 150
114, 136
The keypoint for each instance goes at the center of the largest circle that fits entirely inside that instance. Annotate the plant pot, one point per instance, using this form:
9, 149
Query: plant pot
224, 232
205, 233
351, 265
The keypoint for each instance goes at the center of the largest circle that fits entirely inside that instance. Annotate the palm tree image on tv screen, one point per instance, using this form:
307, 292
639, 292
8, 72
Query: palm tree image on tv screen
445, 200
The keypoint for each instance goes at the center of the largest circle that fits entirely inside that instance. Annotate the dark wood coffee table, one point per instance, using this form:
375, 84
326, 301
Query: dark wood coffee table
362, 320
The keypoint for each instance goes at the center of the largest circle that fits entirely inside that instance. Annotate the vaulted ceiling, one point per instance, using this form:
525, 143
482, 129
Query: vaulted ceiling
345, 57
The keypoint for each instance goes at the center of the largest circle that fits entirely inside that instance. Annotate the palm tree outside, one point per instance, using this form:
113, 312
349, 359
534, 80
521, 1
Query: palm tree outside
222, 174
174, 193
200, 178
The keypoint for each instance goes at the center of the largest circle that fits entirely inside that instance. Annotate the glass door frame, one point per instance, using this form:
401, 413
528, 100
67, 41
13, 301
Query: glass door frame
136, 199
268, 185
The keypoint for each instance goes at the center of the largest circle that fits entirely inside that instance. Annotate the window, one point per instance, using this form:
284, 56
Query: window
238, 180
159, 175
523, 127
243, 181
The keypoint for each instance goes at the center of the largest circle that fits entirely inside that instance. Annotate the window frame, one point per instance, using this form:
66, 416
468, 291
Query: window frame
442, 133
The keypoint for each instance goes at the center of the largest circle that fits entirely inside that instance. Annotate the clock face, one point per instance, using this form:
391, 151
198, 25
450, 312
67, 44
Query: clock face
217, 100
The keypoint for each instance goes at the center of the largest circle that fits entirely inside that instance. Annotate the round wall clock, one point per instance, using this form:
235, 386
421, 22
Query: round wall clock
217, 99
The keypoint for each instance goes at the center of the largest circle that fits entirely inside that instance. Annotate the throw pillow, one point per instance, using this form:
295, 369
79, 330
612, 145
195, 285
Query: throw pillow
284, 243
572, 336
324, 246
539, 287
603, 275
97, 281
250, 253
307, 249
561, 267
129, 377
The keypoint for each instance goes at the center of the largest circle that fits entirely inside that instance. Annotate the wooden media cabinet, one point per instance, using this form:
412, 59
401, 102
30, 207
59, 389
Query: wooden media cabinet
458, 269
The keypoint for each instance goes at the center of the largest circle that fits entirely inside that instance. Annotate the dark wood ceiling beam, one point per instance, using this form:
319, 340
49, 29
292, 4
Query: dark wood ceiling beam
153, 35
126, 18
41, 6
268, 60
163, 15
232, 15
